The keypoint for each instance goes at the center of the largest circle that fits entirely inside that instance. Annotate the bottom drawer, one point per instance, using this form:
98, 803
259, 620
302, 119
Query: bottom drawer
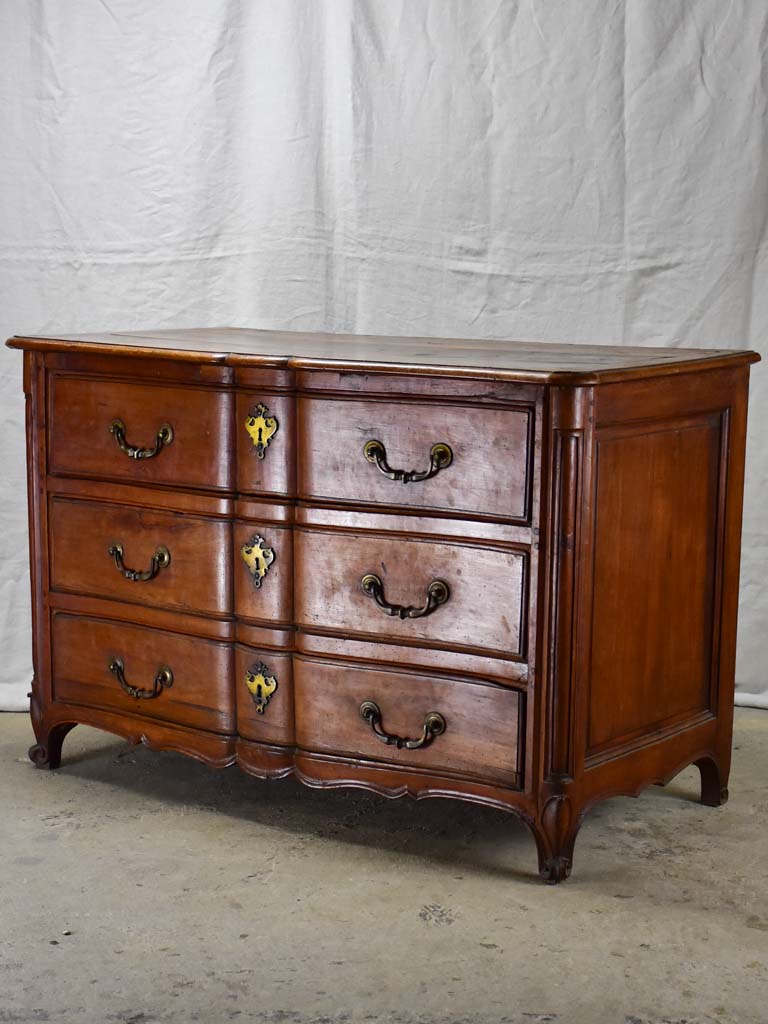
180, 679
476, 733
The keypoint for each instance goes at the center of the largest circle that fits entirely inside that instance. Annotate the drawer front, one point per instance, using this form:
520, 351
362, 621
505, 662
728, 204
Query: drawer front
82, 441
485, 608
200, 694
488, 472
481, 721
266, 445
264, 696
157, 558
263, 567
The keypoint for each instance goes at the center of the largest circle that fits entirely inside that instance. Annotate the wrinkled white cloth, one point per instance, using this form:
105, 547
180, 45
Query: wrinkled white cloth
589, 172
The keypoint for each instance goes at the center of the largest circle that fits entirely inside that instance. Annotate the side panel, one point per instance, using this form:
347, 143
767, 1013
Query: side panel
638, 592
654, 638
662, 516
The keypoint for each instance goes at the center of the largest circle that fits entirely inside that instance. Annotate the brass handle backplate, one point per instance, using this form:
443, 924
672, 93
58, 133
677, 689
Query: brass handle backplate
434, 725
162, 440
160, 560
438, 593
440, 457
163, 680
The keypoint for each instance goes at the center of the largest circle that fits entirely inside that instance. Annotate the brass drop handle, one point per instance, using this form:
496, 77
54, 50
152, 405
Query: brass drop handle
163, 680
434, 725
440, 457
438, 593
160, 560
162, 440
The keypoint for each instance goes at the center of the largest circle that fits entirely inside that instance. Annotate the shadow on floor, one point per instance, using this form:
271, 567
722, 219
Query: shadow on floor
445, 830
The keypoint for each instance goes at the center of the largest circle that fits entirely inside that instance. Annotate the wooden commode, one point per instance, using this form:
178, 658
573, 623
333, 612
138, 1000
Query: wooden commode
496, 571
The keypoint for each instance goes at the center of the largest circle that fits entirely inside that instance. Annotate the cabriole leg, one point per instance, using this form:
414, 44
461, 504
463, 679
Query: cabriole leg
714, 789
555, 833
46, 753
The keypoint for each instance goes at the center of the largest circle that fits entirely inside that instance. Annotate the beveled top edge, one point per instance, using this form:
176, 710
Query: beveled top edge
539, 362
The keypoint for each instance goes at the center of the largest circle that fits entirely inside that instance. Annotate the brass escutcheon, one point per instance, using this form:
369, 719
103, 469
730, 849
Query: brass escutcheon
261, 685
258, 557
262, 428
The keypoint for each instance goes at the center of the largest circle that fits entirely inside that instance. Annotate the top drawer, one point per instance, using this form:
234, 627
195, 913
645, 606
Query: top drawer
464, 459
117, 430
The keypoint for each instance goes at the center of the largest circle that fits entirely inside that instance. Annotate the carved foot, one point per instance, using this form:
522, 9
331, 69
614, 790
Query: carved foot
555, 833
555, 869
714, 792
47, 753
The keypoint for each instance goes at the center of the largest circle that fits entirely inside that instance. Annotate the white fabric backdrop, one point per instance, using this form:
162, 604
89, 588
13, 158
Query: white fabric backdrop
592, 171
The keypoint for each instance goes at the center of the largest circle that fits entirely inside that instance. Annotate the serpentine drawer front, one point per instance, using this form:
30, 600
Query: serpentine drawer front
146, 434
462, 459
143, 671
496, 571
413, 590
453, 725
134, 554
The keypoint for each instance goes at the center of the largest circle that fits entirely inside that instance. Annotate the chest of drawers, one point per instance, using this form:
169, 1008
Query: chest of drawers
501, 572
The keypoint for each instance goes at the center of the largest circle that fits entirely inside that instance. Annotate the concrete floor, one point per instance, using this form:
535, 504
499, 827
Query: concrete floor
144, 888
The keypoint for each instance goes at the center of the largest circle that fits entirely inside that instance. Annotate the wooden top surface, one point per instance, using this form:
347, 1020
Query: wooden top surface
498, 360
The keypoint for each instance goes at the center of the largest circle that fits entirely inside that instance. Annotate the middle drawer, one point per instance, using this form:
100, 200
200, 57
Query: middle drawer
132, 554
427, 592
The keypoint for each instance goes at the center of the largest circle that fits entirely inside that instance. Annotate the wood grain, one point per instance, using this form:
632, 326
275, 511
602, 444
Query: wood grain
489, 474
481, 737
202, 694
80, 442
444, 357
653, 626
198, 578
486, 608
